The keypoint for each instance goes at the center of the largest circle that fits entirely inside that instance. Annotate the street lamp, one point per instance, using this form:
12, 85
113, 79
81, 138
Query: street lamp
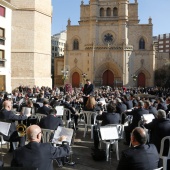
65, 74
134, 77
84, 75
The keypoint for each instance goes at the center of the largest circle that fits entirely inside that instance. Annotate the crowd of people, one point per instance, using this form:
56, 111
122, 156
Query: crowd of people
112, 106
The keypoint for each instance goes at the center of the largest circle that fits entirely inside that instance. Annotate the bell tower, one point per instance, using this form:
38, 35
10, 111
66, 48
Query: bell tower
31, 43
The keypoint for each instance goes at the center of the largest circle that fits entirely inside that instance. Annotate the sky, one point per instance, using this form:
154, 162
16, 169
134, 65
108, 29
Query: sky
158, 10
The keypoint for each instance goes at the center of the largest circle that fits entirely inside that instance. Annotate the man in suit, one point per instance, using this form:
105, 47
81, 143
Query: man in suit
136, 113
161, 104
51, 121
159, 127
68, 105
87, 90
45, 108
7, 115
140, 156
109, 117
150, 108
36, 154
120, 107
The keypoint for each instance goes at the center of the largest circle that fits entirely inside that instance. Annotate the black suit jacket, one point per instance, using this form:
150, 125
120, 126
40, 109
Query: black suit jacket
50, 122
142, 157
136, 113
109, 118
159, 129
69, 106
38, 155
120, 108
9, 116
88, 89
43, 110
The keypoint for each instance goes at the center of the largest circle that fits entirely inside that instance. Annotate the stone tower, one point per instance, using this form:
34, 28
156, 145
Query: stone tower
31, 43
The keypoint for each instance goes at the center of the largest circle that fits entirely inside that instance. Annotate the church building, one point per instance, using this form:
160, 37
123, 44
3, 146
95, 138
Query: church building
110, 45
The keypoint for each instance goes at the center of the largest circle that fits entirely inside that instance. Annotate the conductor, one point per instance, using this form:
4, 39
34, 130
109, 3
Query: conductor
87, 90
36, 154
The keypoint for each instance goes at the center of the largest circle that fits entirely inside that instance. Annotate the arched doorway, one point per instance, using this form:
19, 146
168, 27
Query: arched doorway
141, 80
108, 78
75, 79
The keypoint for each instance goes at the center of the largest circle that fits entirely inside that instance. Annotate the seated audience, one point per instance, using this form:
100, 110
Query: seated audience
140, 155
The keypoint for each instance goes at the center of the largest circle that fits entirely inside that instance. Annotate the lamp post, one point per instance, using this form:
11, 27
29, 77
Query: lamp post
134, 77
65, 74
84, 75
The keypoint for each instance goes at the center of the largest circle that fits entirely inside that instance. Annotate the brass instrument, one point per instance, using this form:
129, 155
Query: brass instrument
21, 129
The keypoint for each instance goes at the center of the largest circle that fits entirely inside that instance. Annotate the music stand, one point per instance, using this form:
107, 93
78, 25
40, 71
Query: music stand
110, 133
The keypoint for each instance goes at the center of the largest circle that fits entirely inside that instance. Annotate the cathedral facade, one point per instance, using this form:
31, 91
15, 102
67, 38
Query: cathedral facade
110, 46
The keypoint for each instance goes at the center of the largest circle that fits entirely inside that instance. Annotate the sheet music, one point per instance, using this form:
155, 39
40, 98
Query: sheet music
26, 110
109, 132
40, 104
4, 128
60, 110
61, 131
148, 117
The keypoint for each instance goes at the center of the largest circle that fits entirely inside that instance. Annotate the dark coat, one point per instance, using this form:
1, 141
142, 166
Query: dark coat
43, 110
152, 110
120, 108
142, 157
9, 116
38, 155
50, 122
109, 118
136, 113
129, 104
159, 129
162, 106
88, 89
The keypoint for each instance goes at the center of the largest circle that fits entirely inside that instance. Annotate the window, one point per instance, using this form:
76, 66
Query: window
56, 49
161, 36
108, 12
2, 11
167, 50
167, 45
167, 41
160, 42
1, 54
160, 50
2, 36
141, 44
52, 48
75, 45
115, 11
2, 62
167, 35
161, 46
101, 12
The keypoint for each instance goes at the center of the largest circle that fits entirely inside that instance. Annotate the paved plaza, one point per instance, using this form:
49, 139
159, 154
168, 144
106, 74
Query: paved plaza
81, 155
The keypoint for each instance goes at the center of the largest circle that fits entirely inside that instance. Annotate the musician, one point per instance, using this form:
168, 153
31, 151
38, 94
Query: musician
7, 115
45, 108
87, 90
140, 155
36, 154
51, 121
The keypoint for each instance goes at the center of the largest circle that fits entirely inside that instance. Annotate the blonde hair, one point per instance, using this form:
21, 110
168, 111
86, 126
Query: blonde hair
91, 102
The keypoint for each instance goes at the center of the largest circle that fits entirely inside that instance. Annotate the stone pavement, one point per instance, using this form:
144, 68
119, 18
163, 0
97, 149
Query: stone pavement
82, 155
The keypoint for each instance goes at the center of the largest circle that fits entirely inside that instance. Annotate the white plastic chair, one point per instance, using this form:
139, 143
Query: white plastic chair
164, 158
114, 132
158, 168
88, 115
4, 142
67, 118
39, 116
46, 135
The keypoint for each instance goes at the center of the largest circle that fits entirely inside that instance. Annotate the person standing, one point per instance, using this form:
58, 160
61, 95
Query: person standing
87, 90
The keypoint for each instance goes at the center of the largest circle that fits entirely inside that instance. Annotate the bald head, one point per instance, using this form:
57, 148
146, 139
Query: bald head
34, 133
7, 104
139, 136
